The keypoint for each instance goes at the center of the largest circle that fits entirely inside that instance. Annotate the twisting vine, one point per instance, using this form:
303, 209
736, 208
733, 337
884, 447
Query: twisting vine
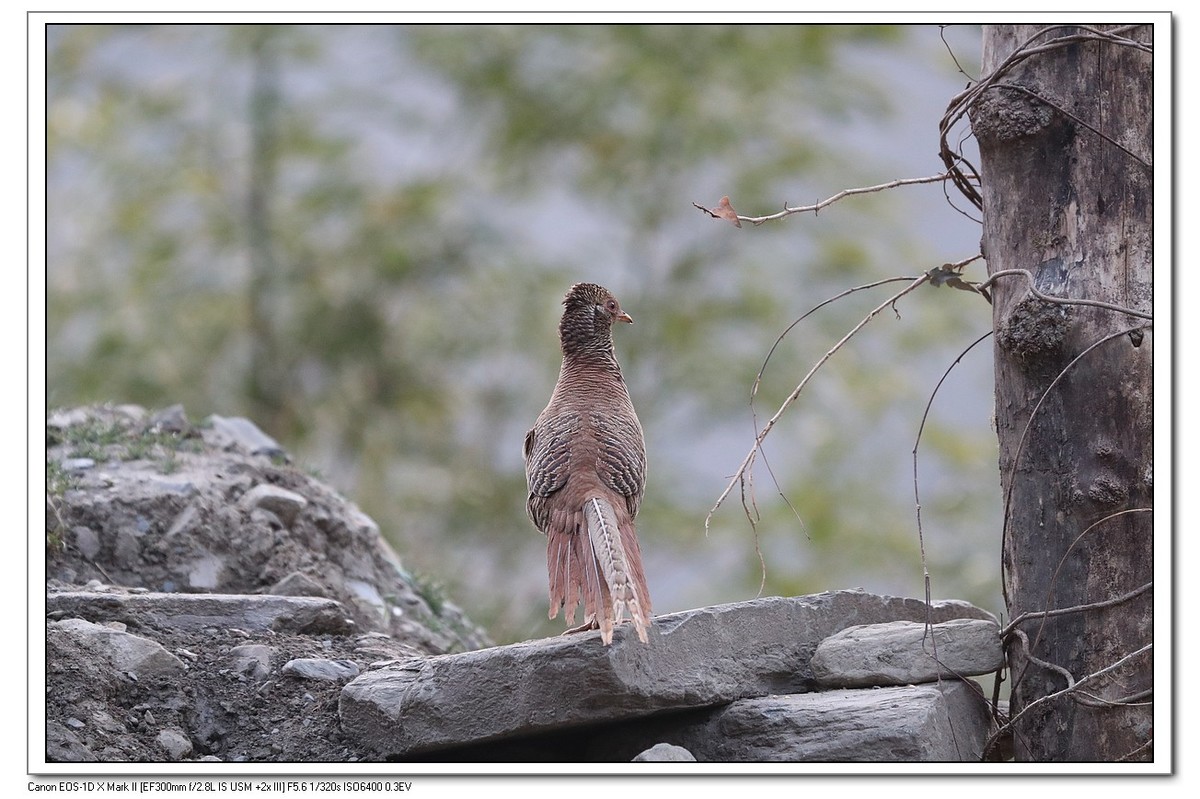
960, 171
1008, 493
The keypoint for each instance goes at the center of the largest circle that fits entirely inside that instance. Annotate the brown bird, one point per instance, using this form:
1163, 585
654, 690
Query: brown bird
585, 459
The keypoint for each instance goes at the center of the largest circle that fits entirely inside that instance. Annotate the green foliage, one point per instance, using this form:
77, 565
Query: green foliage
632, 104
59, 480
359, 237
432, 590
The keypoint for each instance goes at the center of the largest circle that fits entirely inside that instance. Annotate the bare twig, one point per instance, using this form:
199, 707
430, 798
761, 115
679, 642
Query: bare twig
754, 413
742, 471
1033, 289
1053, 584
916, 446
779, 490
953, 57
817, 207
1091, 700
751, 511
1135, 751
1075, 686
1024, 639
779, 340
1105, 603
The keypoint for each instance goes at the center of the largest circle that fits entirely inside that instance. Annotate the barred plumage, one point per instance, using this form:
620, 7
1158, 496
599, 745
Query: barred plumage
585, 460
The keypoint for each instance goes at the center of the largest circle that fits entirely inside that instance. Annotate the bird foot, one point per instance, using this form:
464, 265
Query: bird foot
588, 625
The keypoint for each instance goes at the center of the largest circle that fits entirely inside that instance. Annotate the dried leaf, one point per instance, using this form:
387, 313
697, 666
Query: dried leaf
941, 275
725, 211
948, 275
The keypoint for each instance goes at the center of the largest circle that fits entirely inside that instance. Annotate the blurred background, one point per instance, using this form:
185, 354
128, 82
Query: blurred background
359, 237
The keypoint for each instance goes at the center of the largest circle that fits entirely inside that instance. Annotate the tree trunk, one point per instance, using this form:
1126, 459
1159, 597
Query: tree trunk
1065, 161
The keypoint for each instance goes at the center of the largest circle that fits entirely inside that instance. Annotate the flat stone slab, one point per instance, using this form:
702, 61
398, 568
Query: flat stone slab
696, 658
124, 652
902, 653
894, 724
296, 614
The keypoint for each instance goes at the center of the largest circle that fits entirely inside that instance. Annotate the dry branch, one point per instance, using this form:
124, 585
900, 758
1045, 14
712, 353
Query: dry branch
742, 472
1075, 686
722, 211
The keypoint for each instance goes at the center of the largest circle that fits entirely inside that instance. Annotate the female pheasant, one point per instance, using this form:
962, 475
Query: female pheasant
585, 460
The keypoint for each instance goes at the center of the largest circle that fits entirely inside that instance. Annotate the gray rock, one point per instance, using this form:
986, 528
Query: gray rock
184, 522
368, 599
664, 753
205, 572
170, 420
64, 746
297, 584
279, 501
175, 743
379, 647
131, 655
252, 660
201, 514
898, 724
151, 513
173, 484
127, 549
321, 669
105, 722
86, 541
131, 412
62, 418
234, 431
902, 653
702, 657
198, 611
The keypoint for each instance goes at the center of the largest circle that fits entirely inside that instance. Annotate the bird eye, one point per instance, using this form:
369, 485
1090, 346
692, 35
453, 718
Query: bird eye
611, 305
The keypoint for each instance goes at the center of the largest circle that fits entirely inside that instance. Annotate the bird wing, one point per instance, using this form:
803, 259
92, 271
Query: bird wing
621, 456
548, 461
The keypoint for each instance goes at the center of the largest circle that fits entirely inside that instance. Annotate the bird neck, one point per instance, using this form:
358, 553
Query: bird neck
589, 354
584, 339
591, 358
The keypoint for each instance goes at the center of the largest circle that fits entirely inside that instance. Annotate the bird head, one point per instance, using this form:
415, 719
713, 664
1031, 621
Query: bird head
605, 305
587, 320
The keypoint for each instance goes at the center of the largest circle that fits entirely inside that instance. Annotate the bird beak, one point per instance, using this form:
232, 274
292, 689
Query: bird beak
624, 317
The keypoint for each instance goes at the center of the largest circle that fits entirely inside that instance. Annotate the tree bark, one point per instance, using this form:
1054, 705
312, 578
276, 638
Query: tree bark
1065, 139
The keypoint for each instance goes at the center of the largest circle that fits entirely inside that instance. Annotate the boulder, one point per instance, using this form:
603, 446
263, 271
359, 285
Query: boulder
915, 723
697, 658
907, 652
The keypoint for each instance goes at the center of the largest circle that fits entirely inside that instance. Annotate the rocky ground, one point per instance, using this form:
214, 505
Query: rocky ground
153, 506
208, 707
208, 601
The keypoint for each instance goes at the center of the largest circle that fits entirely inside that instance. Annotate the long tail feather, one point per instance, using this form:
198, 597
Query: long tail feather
622, 573
558, 561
